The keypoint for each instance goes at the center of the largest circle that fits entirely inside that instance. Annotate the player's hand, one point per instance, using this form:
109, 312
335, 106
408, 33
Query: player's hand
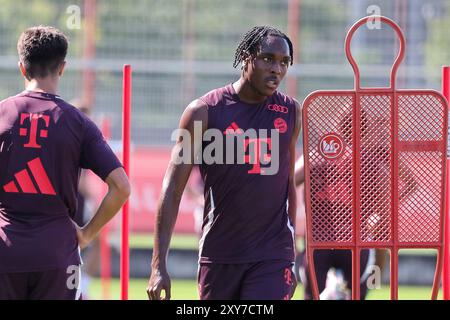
83, 240
159, 281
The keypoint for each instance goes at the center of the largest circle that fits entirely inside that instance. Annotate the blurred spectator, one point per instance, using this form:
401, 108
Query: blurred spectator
194, 191
85, 212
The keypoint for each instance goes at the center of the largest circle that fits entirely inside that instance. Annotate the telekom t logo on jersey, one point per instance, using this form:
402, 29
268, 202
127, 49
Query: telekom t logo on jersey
258, 148
258, 151
33, 179
30, 123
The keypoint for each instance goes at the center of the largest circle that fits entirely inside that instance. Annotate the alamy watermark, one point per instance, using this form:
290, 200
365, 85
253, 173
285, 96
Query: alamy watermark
374, 22
374, 279
74, 19
260, 148
74, 277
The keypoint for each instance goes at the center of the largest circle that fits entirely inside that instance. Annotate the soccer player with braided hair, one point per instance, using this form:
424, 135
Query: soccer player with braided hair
247, 246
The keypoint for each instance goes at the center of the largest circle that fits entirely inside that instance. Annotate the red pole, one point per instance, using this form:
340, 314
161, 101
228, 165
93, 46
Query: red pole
105, 250
125, 255
446, 267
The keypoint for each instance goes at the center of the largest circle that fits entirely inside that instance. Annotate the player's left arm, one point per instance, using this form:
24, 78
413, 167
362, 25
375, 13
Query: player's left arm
292, 200
118, 193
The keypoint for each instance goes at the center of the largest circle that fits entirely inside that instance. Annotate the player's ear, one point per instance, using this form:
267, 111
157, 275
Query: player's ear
22, 69
246, 63
61, 68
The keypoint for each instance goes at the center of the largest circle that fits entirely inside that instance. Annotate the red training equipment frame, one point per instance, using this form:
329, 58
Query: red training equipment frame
375, 168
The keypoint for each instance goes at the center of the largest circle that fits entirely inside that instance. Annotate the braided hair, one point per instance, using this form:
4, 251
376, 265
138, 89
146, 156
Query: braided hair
251, 43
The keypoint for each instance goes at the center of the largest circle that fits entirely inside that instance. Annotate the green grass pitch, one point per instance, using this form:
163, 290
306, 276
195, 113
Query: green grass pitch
187, 290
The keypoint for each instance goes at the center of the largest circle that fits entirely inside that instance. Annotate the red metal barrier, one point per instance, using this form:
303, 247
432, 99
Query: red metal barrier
446, 268
375, 165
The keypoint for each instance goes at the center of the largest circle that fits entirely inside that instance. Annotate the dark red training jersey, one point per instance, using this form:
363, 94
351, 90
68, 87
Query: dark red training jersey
44, 142
246, 209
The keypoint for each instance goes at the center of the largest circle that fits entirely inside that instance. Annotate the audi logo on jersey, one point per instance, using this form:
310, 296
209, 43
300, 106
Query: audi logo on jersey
278, 108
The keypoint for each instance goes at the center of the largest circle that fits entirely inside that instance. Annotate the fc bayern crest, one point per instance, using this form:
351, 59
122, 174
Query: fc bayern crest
280, 124
331, 146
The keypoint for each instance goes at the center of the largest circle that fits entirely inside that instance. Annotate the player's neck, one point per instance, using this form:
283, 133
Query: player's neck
48, 85
247, 93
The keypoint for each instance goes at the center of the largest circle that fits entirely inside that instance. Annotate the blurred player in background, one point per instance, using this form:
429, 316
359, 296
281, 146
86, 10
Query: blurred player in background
86, 202
194, 191
247, 246
334, 267
44, 142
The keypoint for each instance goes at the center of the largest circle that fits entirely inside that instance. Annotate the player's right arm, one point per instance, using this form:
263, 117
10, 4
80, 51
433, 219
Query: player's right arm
175, 179
299, 175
